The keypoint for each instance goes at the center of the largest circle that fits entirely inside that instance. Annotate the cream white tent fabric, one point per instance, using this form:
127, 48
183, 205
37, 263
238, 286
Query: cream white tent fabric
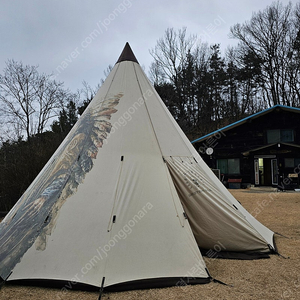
125, 198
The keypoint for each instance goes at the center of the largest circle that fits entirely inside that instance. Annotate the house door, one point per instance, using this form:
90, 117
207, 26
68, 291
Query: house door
265, 171
256, 171
274, 169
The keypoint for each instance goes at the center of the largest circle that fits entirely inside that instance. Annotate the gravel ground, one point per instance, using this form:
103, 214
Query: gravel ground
275, 278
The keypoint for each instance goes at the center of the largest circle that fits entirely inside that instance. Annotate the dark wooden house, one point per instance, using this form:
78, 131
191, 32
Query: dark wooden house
262, 149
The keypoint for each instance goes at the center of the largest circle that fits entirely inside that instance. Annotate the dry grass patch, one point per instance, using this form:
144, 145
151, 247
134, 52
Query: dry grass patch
275, 278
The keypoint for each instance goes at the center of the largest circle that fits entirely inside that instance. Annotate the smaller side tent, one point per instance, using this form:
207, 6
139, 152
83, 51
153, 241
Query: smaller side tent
125, 201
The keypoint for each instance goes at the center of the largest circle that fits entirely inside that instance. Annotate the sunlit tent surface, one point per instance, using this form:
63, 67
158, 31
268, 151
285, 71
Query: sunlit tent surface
125, 200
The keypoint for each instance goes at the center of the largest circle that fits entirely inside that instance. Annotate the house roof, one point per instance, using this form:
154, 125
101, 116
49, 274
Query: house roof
242, 121
269, 146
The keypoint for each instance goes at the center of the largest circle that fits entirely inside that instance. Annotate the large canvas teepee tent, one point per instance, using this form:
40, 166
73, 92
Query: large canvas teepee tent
125, 200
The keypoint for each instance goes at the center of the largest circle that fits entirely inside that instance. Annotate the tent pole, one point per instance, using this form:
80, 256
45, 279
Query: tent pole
101, 288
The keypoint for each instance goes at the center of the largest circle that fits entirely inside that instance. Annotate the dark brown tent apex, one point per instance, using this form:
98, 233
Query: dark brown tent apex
127, 55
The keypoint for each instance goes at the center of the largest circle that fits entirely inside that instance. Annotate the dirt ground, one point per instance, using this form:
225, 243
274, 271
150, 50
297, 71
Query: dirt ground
275, 278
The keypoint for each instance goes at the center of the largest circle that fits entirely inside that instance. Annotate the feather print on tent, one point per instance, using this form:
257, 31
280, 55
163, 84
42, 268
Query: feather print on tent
36, 213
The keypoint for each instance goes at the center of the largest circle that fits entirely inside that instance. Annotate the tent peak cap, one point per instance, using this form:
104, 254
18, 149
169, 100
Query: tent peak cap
127, 55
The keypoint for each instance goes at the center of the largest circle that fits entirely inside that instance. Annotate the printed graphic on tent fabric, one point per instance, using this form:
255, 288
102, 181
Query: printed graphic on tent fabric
39, 206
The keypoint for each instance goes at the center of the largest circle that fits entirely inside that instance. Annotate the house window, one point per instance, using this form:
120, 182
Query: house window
289, 162
287, 135
292, 162
223, 166
280, 135
273, 136
229, 166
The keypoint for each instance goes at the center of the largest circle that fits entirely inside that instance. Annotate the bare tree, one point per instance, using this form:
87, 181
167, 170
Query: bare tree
170, 53
50, 96
294, 67
176, 62
88, 92
17, 94
269, 35
156, 73
29, 99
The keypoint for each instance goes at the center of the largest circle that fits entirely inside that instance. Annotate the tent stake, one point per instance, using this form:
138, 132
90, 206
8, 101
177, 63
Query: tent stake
282, 235
276, 252
216, 280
